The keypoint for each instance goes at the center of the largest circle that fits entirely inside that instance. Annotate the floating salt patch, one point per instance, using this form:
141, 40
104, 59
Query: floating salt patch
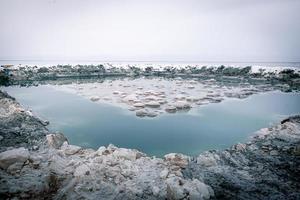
171, 109
179, 96
116, 92
151, 97
141, 105
153, 104
141, 113
106, 98
95, 98
182, 105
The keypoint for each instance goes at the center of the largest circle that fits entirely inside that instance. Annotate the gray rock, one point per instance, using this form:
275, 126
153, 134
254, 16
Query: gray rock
56, 140
70, 149
10, 157
177, 159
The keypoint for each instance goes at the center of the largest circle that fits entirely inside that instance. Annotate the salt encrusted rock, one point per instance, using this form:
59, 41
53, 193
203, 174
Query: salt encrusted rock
153, 104
82, 170
56, 140
95, 98
207, 159
274, 153
178, 188
164, 173
127, 154
296, 150
111, 148
239, 147
177, 159
10, 157
70, 149
102, 151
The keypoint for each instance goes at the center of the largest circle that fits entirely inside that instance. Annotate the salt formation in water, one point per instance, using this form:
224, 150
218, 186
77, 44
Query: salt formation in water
150, 97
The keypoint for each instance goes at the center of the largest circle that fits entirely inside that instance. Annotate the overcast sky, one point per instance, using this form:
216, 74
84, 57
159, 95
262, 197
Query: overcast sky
186, 30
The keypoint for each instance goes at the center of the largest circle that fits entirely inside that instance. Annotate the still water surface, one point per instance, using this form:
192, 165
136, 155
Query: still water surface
214, 126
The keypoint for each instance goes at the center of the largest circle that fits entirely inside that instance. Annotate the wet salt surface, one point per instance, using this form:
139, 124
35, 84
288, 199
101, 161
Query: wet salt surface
204, 127
151, 97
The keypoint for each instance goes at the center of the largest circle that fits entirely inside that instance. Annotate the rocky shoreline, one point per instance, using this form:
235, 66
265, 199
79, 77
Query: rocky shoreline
20, 74
38, 164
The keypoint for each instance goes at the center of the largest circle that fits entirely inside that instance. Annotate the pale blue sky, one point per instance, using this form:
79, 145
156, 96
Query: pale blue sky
190, 30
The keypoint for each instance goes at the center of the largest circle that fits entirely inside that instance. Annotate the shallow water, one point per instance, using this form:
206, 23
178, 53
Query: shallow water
214, 126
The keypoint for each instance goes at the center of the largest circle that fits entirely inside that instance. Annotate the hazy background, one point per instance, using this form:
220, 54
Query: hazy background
140, 30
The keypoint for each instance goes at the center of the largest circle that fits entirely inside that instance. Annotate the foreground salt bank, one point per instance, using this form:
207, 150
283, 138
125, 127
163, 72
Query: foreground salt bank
37, 164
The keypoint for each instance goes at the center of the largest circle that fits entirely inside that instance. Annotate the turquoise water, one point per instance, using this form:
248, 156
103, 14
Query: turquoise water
214, 126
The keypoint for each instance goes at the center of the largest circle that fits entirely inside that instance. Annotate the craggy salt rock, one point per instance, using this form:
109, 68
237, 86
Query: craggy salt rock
153, 104
56, 140
95, 98
208, 159
177, 159
70, 149
127, 154
178, 188
102, 151
164, 173
82, 170
10, 157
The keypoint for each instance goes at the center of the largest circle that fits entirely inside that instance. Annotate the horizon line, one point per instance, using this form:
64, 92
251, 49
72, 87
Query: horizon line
104, 60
